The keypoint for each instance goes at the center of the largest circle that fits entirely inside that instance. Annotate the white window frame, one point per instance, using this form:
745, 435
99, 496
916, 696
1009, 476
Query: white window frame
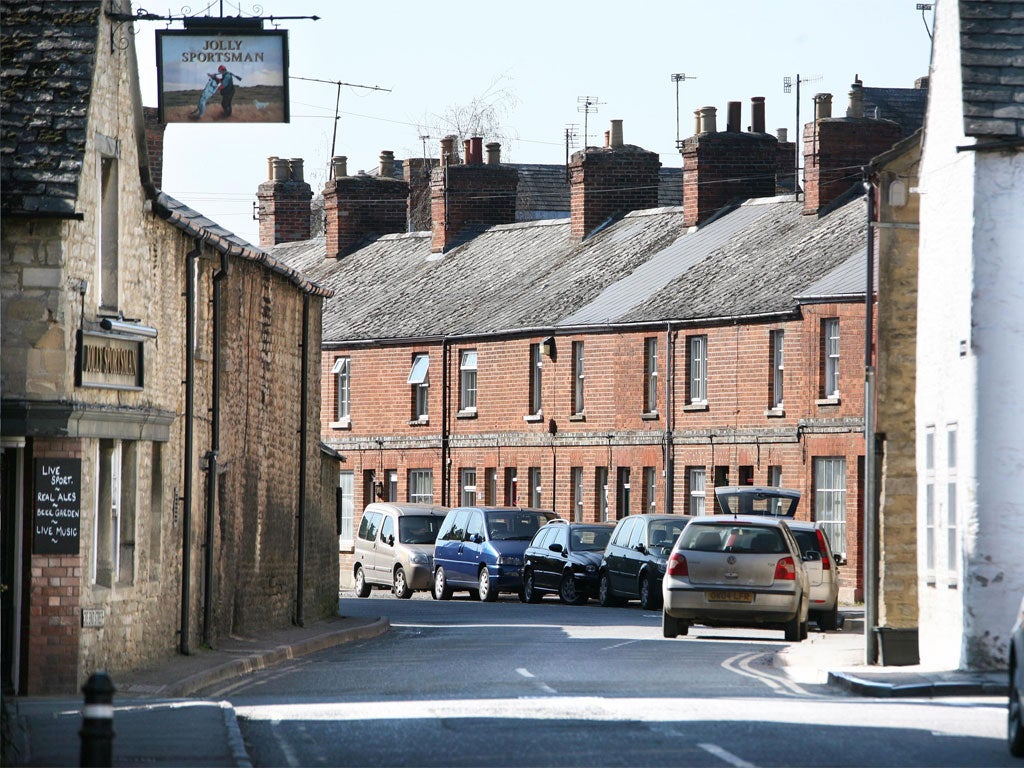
576, 474
421, 486
342, 377
651, 374
419, 379
650, 489
347, 484
491, 486
623, 492
533, 474
929, 504
697, 348
467, 484
697, 478
536, 381
778, 369
467, 381
830, 500
775, 481
952, 545
601, 486
830, 336
578, 402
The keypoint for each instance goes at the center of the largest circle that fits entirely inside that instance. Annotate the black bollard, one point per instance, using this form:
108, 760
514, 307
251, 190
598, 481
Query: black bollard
97, 731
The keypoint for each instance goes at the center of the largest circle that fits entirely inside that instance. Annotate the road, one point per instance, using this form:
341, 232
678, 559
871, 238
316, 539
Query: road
462, 683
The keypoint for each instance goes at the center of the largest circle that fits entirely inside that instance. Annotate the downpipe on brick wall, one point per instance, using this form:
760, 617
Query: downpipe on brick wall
186, 512
300, 571
871, 565
445, 431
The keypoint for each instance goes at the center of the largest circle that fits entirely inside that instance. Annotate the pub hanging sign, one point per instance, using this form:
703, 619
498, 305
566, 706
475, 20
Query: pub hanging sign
57, 507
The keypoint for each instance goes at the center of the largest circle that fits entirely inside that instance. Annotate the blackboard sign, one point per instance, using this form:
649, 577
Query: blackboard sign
58, 507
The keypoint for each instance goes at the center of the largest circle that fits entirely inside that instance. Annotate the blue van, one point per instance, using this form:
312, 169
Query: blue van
480, 550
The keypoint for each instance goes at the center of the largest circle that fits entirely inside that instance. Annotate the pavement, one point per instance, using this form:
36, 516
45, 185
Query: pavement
156, 724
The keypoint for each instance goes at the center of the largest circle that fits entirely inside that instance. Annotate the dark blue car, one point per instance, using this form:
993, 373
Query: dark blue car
480, 550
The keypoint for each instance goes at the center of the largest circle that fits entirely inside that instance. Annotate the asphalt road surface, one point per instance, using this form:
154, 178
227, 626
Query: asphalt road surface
463, 683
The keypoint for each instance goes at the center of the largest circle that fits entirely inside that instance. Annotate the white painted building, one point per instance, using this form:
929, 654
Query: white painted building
970, 337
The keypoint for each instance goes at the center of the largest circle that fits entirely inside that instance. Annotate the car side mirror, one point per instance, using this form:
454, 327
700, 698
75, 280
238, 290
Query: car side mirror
840, 559
640, 547
477, 538
556, 548
812, 556
391, 541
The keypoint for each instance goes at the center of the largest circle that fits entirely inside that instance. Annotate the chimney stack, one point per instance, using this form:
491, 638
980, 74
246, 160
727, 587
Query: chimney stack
470, 196
835, 148
359, 208
720, 167
610, 181
416, 171
284, 203
155, 145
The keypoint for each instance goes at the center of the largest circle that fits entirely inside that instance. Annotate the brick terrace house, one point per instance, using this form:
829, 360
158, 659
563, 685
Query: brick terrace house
163, 482
625, 360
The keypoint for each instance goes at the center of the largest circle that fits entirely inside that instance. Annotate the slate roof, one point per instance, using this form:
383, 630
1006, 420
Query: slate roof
992, 67
47, 57
905, 106
644, 268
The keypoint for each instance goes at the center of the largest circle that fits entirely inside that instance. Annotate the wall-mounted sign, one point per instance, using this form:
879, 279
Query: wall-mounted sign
57, 507
113, 362
93, 617
222, 75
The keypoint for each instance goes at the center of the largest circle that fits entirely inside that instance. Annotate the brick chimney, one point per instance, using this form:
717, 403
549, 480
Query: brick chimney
470, 196
362, 207
416, 171
610, 181
785, 167
720, 167
283, 200
836, 148
155, 145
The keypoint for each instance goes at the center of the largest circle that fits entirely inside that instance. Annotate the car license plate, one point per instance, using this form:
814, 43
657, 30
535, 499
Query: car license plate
730, 597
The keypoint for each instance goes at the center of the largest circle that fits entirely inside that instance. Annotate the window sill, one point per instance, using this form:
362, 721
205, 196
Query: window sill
701, 406
420, 422
650, 416
533, 417
341, 424
828, 401
468, 413
775, 413
577, 417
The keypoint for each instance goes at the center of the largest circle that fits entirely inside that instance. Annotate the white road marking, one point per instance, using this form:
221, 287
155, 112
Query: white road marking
741, 665
619, 645
543, 686
290, 757
725, 755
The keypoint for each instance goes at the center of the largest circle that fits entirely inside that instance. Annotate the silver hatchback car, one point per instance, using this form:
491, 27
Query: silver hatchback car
735, 571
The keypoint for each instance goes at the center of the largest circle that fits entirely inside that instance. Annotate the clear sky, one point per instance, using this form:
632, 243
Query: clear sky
544, 56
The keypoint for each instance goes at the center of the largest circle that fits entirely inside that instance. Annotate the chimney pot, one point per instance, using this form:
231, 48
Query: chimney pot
733, 120
387, 164
295, 168
708, 122
696, 122
783, 135
270, 167
493, 153
339, 166
607, 139
856, 106
822, 105
757, 114
281, 170
448, 156
616, 134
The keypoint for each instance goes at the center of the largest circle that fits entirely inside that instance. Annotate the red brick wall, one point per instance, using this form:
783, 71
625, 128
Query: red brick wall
606, 182
724, 166
358, 207
835, 149
284, 210
155, 145
467, 196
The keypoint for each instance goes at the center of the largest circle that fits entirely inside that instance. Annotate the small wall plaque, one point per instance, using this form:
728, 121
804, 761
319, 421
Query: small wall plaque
93, 617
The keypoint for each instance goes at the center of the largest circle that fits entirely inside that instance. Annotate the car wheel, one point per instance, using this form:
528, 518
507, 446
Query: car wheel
487, 593
828, 621
568, 593
649, 597
605, 596
792, 629
362, 588
1014, 719
803, 631
669, 625
441, 589
401, 586
528, 594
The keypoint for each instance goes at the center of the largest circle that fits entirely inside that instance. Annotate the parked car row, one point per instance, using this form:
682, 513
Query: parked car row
761, 568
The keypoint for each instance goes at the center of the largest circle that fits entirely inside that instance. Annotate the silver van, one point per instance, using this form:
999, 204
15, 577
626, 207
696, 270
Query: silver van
395, 547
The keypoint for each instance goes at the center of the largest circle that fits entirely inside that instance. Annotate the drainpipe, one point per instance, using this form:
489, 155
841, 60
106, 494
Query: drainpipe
186, 513
445, 458
211, 457
669, 458
300, 574
870, 509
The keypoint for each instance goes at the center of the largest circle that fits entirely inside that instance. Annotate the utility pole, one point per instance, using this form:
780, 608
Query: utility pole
678, 78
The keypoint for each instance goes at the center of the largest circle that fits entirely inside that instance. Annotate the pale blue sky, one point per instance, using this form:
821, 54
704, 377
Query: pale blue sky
432, 55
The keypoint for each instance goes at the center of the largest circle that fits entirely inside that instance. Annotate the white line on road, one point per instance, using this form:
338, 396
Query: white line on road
725, 755
741, 665
619, 645
543, 686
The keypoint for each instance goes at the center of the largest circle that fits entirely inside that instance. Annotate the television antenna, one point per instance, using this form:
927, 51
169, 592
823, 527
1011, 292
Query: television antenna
586, 105
677, 78
922, 7
337, 101
570, 143
787, 87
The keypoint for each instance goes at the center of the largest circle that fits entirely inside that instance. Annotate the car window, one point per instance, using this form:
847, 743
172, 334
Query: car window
638, 533
542, 538
664, 533
561, 536
475, 526
458, 530
369, 526
516, 524
622, 534
387, 528
418, 529
735, 538
590, 539
807, 541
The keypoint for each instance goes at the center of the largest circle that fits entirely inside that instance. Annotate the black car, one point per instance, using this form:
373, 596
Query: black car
634, 560
564, 557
